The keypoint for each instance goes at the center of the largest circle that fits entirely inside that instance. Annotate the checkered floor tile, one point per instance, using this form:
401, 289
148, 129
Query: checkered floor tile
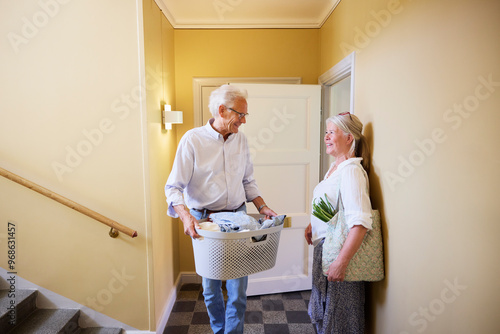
283, 313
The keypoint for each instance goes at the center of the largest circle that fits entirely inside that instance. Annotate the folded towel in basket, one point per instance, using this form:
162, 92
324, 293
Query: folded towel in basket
209, 226
240, 221
234, 221
272, 222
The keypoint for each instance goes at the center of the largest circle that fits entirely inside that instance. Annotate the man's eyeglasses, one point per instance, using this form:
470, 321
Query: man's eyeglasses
346, 113
240, 114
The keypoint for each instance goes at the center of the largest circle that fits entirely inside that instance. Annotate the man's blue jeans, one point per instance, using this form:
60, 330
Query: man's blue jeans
231, 319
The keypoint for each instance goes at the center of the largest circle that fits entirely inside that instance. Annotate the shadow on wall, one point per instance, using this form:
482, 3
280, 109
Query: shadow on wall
376, 292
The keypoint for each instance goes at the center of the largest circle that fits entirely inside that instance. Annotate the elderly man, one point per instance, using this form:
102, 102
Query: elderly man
213, 170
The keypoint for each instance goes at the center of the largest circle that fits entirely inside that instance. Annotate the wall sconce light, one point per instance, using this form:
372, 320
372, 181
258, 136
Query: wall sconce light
170, 117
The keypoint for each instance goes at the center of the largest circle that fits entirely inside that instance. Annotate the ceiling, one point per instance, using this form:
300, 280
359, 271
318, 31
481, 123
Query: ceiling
221, 14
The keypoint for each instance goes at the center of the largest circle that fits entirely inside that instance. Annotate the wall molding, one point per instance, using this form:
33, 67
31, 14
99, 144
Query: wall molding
340, 71
217, 23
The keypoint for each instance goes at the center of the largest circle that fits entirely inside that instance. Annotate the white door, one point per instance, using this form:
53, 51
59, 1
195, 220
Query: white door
283, 132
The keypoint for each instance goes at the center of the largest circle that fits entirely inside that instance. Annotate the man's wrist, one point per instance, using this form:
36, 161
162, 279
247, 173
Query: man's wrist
261, 207
180, 209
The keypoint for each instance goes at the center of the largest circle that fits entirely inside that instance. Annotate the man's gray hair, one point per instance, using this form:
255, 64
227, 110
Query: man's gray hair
225, 95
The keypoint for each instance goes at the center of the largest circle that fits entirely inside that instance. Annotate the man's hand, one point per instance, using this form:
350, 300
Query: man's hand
190, 223
264, 209
268, 212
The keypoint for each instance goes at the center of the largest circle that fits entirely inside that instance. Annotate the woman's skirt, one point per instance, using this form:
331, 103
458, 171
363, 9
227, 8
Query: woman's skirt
335, 307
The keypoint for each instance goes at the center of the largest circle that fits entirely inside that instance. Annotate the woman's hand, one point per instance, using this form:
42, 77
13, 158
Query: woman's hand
336, 271
308, 234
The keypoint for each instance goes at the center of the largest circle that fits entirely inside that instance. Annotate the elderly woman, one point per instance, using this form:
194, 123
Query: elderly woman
337, 306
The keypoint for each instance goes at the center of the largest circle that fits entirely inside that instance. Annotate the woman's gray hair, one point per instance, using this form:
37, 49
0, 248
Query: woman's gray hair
225, 95
350, 124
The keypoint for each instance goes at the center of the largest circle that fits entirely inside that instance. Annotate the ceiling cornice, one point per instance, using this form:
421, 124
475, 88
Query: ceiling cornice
255, 24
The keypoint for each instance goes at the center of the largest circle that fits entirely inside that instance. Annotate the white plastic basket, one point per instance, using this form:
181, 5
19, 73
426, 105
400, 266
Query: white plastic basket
224, 255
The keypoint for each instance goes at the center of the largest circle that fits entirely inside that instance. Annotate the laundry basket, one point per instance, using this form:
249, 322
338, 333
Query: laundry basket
224, 255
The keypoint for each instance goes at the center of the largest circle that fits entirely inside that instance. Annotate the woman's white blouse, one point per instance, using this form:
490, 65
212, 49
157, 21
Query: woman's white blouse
354, 192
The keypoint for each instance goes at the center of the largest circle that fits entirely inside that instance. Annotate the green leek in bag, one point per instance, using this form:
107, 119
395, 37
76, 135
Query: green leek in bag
323, 210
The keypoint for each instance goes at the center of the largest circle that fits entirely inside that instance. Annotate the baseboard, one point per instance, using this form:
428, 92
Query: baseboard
183, 278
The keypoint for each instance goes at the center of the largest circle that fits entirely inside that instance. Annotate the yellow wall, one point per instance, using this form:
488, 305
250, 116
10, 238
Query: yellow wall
159, 59
416, 63
435, 170
238, 53
70, 83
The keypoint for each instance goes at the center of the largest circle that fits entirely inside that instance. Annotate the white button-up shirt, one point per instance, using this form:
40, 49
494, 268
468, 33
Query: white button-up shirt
211, 173
355, 196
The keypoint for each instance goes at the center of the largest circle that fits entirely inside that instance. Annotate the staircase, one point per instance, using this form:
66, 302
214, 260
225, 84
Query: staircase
19, 315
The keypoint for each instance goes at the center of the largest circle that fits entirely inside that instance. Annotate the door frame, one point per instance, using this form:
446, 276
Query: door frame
200, 83
338, 72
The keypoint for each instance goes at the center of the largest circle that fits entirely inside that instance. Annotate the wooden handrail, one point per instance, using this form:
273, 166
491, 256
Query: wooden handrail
69, 203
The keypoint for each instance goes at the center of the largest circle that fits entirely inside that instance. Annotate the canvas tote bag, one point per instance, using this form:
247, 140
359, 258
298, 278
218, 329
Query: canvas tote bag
368, 262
